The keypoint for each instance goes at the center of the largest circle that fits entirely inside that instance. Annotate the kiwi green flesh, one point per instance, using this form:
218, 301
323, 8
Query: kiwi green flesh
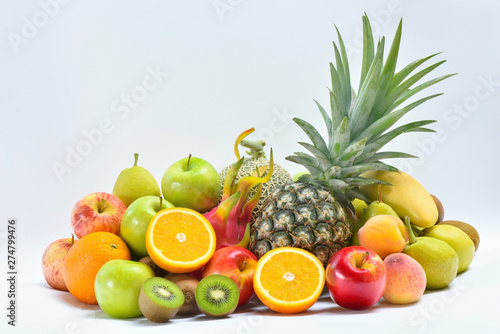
187, 284
160, 299
217, 296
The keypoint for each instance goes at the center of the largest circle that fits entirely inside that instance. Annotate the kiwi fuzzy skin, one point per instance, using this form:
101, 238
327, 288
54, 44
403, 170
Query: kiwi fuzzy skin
187, 284
154, 311
159, 272
205, 308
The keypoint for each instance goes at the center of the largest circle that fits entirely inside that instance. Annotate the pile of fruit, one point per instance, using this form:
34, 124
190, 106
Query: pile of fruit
204, 241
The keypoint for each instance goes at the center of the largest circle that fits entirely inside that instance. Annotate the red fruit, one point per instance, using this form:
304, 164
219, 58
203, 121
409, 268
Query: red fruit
53, 261
97, 212
356, 277
238, 264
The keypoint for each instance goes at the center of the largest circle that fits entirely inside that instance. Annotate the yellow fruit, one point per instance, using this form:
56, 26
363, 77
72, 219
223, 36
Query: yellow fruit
467, 228
384, 234
406, 196
359, 207
289, 280
457, 239
180, 240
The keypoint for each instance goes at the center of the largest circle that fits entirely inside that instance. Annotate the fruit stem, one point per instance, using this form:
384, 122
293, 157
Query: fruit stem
100, 205
380, 193
136, 157
72, 238
362, 261
161, 201
189, 161
411, 236
256, 148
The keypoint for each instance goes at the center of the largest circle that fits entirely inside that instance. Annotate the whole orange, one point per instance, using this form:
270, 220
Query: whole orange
86, 257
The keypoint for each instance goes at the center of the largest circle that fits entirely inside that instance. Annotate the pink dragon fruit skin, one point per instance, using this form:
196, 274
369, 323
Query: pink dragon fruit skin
231, 218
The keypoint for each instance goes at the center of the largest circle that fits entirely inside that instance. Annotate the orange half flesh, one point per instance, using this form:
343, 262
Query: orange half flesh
180, 240
289, 280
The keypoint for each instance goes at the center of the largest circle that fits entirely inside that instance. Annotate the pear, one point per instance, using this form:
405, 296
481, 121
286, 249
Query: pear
374, 209
467, 228
135, 182
457, 239
359, 206
439, 260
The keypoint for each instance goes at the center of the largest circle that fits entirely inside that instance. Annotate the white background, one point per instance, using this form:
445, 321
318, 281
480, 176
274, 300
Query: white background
232, 65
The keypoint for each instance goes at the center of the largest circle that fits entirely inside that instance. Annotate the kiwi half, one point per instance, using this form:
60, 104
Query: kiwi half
187, 284
160, 299
217, 296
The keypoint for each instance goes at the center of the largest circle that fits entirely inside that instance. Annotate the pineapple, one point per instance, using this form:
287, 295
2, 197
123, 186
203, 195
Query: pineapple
315, 213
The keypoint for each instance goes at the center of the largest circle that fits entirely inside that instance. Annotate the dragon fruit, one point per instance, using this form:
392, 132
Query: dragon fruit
231, 218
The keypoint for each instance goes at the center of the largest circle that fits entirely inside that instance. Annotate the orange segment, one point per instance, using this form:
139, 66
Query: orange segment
289, 280
180, 240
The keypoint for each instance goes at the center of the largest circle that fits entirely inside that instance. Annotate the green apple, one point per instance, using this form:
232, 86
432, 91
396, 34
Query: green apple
192, 183
117, 287
136, 220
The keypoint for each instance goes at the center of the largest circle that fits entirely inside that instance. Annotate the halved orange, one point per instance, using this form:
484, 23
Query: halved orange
289, 280
180, 240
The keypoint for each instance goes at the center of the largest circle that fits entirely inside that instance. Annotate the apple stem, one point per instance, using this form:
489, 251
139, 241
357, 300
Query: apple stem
161, 202
365, 255
136, 157
100, 207
243, 265
189, 161
411, 235
380, 193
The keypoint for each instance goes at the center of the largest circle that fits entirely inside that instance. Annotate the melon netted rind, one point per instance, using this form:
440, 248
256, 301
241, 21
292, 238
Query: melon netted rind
280, 177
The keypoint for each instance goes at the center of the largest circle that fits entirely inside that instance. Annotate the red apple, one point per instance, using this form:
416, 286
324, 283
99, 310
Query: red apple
53, 261
356, 277
238, 264
97, 212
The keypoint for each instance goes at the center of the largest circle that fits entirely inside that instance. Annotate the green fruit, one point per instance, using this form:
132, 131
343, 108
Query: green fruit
160, 299
117, 287
136, 220
187, 284
457, 239
359, 206
191, 183
135, 182
374, 209
217, 295
467, 228
439, 260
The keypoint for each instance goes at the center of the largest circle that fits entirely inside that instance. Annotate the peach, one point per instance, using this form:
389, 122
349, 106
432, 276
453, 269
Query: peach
406, 279
384, 234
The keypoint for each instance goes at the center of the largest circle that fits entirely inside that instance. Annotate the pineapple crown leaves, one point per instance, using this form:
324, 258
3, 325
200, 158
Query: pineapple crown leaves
360, 125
